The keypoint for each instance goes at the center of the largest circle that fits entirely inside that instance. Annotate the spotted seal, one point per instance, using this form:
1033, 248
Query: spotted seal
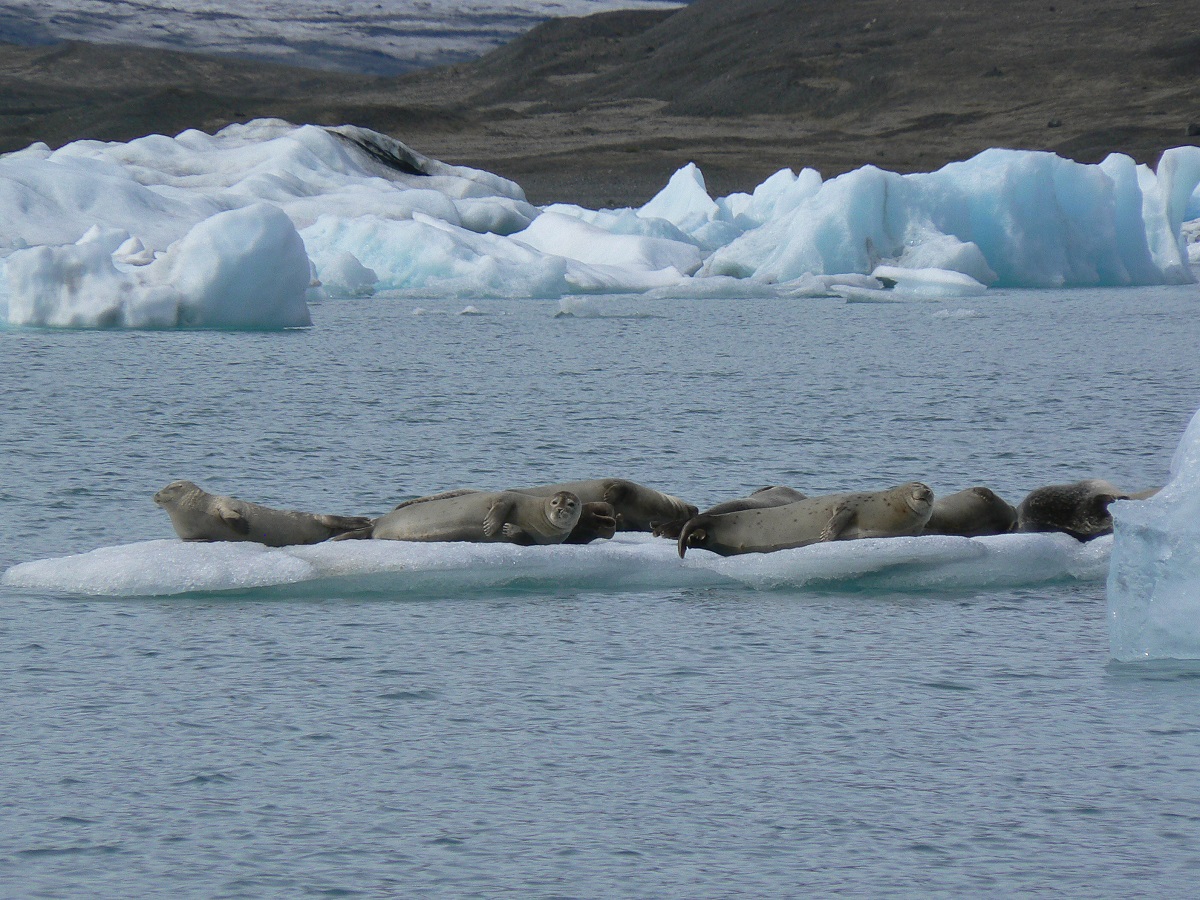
198, 515
478, 517
902, 510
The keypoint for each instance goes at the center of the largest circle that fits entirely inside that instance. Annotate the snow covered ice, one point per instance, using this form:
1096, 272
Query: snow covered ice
1154, 581
243, 228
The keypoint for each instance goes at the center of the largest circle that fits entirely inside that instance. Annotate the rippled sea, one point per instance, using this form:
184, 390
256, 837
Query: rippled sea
672, 743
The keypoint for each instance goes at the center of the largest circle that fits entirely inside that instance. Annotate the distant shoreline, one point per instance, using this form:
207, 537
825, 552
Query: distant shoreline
601, 110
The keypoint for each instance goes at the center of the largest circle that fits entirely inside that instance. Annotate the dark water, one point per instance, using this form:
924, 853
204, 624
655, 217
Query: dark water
683, 742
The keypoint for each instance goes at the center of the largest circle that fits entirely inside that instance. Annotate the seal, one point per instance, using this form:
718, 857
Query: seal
973, 512
763, 498
597, 521
477, 517
638, 508
198, 515
1079, 508
900, 511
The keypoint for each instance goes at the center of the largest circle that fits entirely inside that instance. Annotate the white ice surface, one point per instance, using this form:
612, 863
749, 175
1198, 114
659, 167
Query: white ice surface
633, 563
1154, 583
158, 232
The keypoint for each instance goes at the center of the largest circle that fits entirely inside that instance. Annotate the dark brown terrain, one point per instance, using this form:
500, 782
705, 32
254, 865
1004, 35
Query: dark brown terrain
601, 110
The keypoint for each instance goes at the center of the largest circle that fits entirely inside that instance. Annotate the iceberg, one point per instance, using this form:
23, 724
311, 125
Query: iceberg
1154, 579
631, 563
128, 234
244, 268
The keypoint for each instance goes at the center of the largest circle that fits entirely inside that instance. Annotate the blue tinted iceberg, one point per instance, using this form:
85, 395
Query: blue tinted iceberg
377, 218
243, 268
1154, 578
1036, 219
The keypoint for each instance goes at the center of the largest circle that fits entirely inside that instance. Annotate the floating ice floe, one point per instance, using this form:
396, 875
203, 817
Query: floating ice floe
186, 231
630, 563
1154, 583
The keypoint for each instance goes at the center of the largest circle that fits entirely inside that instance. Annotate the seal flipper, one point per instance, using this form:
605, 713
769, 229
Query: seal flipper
514, 534
496, 518
340, 524
232, 518
694, 534
670, 530
841, 519
359, 534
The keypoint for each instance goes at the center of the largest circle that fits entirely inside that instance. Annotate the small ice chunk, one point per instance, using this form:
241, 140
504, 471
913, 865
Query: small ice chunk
343, 275
930, 284
579, 307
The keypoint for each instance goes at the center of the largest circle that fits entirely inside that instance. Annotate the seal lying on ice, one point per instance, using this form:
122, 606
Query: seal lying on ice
1079, 509
900, 511
200, 516
973, 512
478, 517
638, 508
763, 498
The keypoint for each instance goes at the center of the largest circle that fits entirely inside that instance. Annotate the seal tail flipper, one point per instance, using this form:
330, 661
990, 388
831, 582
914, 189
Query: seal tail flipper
358, 534
342, 524
670, 530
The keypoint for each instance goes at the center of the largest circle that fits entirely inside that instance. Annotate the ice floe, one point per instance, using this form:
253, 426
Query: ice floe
631, 563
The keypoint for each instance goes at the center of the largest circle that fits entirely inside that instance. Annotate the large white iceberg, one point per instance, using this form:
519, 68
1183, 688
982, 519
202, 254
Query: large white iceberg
110, 234
1154, 579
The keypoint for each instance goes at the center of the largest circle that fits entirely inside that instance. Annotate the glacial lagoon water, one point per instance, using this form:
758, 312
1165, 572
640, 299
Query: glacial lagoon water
680, 741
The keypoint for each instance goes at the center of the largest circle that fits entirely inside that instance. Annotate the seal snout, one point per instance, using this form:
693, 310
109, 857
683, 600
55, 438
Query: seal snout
920, 497
564, 506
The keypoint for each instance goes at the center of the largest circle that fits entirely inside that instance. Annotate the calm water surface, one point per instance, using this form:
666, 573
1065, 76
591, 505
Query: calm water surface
679, 743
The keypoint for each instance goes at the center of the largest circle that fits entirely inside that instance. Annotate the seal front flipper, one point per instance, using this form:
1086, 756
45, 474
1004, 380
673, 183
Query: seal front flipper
841, 519
514, 534
496, 518
232, 518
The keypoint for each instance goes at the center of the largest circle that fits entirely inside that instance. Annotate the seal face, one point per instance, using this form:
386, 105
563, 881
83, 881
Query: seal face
637, 507
900, 511
478, 517
1079, 508
973, 512
197, 515
763, 498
